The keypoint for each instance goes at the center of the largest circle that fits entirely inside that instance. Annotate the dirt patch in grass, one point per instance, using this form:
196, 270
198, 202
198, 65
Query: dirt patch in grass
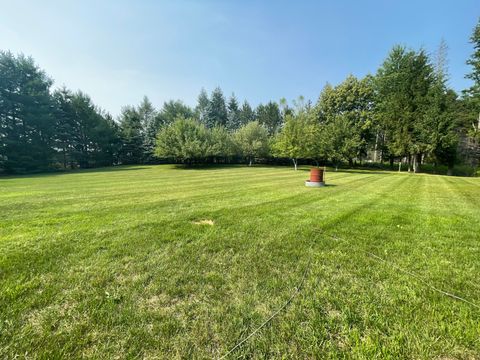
204, 222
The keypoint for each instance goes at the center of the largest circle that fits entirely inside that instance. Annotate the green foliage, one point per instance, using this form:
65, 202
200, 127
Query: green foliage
472, 98
246, 114
252, 141
171, 111
221, 143
269, 116
184, 140
341, 142
345, 113
26, 121
233, 114
133, 138
148, 119
404, 83
474, 62
298, 137
216, 112
202, 106
405, 112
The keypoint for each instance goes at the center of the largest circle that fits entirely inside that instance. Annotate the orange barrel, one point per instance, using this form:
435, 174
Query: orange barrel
316, 175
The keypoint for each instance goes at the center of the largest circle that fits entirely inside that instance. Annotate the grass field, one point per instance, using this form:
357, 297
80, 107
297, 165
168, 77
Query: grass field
112, 264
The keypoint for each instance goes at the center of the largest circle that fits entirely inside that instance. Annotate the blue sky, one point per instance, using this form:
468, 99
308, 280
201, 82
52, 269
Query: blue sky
117, 51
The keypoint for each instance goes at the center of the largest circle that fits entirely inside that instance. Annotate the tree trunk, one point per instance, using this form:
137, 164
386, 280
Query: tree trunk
375, 149
64, 158
250, 163
400, 165
417, 158
295, 163
391, 162
409, 163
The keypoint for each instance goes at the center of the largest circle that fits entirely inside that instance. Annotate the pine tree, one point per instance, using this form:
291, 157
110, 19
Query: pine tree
216, 110
202, 107
472, 96
132, 136
269, 116
64, 125
26, 119
246, 114
439, 130
233, 114
148, 114
403, 85
172, 110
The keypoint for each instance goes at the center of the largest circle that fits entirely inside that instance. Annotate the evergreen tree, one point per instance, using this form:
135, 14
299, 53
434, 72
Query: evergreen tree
84, 136
148, 118
403, 85
107, 139
233, 114
472, 97
93, 136
216, 110
171, 111
132, 136
26, 116
246, 114
202, 107
440, 125
65, 126
269, 116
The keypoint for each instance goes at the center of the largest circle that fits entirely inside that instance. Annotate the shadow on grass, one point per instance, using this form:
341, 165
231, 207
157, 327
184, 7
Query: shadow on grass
340, 170
74, 171
224, 166
205, 166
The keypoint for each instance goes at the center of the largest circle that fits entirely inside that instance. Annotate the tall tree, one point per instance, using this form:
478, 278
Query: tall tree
349, 103
202, 106
403, 84
65, 126
439, 131
472, 95
246, 114
172, 110
94, 137
26, 119
233, 114
269, 116
216, 110
132, 135
148, 116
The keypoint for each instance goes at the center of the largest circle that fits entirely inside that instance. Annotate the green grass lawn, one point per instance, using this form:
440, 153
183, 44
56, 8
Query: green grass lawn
110, 264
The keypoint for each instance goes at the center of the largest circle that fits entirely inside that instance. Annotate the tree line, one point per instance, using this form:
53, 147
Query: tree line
405, 113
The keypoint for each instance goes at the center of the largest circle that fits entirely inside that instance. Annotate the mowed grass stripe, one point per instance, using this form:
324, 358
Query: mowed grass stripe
137, 277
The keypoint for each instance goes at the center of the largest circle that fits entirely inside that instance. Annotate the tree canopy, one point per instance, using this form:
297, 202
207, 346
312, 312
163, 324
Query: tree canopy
405, 112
